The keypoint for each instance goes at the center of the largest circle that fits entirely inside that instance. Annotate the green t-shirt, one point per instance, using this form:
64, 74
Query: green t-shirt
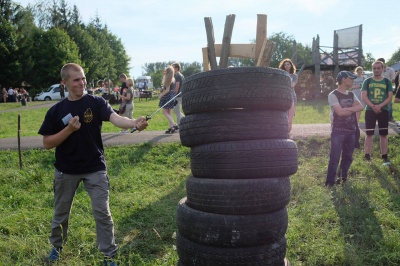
377, 91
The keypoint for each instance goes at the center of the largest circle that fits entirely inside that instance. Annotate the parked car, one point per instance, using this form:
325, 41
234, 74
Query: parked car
53, 93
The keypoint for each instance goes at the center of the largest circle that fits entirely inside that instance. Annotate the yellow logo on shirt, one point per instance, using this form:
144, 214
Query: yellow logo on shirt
88, 116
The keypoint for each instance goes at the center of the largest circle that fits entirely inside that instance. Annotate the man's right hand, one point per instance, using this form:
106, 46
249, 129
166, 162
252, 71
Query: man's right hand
74, 124
376, 109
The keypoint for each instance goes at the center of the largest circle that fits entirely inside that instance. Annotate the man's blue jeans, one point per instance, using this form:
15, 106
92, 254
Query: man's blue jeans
341, 143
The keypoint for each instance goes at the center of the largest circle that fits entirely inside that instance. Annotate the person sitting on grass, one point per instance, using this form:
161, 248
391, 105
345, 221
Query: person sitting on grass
344, 106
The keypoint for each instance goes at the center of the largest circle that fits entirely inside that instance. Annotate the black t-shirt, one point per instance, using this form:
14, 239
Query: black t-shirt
82, 152
179, 78
123, 86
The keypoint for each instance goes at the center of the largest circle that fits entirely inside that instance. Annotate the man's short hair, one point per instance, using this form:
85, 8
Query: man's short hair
65, 70
176, 65
122, 76
381, 59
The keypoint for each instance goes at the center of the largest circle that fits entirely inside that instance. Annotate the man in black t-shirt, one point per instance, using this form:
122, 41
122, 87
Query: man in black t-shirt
73, 128
179, 78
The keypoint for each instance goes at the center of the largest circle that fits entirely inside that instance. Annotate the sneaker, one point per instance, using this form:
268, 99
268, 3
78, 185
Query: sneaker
329, 184
176, 127
109, 262
367, 157
54, 254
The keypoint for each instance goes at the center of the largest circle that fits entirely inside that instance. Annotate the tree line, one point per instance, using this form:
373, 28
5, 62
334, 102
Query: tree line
36, 41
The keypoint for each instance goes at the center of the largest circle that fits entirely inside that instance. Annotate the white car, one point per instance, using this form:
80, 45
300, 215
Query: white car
53, 93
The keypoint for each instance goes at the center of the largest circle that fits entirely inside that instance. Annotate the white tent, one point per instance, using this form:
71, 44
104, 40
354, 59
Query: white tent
396, 66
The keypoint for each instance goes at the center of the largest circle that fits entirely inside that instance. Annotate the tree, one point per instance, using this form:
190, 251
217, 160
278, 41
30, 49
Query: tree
9, 64
284, 49
188, 69
395, 58
50, 51
369, 60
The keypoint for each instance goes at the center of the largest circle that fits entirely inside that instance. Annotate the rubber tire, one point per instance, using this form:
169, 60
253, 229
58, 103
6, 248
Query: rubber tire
237, 87
238, 196
191, 253
244, 159
231, 230
232, 125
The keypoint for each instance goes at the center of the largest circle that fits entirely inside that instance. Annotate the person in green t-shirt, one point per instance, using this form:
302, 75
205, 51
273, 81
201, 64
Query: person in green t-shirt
377, 93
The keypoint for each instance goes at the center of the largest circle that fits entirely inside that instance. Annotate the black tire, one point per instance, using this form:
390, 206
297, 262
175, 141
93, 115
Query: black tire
244, 159
191, 253
237, 87
223, 230
232, 125
47, 98
238, 196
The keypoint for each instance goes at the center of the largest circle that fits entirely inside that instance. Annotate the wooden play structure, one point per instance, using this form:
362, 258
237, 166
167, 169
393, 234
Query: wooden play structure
261, 51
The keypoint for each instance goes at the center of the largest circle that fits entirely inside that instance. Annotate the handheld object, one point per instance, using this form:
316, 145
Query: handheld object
148, 117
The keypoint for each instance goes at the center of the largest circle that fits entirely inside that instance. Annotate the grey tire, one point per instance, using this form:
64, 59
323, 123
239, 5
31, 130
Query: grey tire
191, 253
237, 87
244, 159
231, 230
238, 196
232, 125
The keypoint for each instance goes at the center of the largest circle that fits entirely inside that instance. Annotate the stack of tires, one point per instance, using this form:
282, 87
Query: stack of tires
241, 159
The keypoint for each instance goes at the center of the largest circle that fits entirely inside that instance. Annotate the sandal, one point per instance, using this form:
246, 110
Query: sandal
170, 130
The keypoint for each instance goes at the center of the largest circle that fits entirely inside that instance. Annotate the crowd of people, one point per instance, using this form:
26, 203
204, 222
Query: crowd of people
13, 95
73, 128
354, 94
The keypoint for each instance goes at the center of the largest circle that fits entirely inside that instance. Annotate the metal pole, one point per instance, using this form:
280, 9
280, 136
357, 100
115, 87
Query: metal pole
19, 141
148, 117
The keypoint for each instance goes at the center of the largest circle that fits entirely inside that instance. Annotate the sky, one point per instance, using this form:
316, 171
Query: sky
174, 30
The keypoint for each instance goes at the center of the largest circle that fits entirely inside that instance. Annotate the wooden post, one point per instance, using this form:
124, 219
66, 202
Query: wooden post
206, 62
360, 49
261, 35
317, 69
226, 41
267, 50
335, 54
210, 43
19, 141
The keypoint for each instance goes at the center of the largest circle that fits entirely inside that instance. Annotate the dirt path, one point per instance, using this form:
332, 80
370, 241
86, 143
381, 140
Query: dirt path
120, 139
30, 107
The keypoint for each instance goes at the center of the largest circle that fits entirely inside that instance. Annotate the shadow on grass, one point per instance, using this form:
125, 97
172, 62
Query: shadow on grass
148, 232
360, 227
391, 185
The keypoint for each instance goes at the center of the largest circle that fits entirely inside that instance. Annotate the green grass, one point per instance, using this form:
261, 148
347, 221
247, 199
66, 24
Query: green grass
307, 112
354, 224
31, 120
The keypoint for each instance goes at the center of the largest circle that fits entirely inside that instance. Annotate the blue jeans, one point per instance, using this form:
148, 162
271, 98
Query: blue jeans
341, 143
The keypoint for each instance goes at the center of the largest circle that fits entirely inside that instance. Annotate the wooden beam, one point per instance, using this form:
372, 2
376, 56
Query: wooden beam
210, 43
226, 41
206, 62
238, 50
266, 53
261, 34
